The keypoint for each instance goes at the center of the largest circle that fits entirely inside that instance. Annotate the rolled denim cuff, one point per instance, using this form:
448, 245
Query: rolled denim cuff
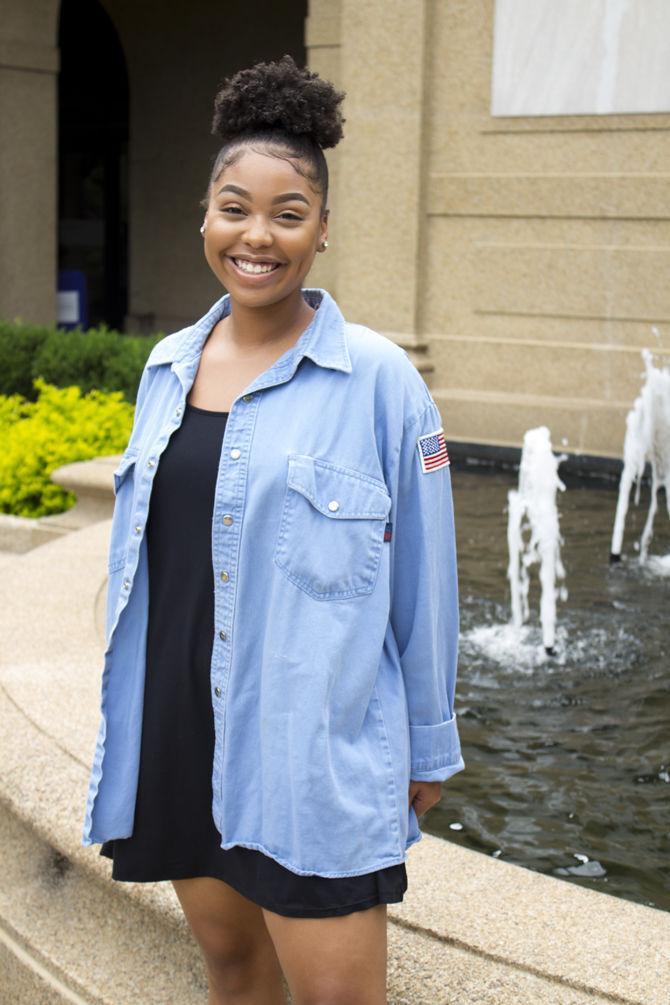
436, 751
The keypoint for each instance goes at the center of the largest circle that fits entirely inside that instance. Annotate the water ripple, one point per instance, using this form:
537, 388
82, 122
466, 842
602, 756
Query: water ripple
567, 756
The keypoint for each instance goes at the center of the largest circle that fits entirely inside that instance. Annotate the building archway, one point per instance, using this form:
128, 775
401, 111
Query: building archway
93, 158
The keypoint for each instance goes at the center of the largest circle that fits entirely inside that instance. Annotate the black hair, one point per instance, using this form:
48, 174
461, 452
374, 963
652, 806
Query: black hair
278, 105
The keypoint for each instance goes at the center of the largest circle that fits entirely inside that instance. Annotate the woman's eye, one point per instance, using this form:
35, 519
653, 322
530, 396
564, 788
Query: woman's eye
236, 210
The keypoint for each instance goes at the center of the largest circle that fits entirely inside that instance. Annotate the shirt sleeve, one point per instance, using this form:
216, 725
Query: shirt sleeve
424, 599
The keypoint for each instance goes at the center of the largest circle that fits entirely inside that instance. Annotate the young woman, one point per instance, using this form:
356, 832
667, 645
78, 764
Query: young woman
282, 612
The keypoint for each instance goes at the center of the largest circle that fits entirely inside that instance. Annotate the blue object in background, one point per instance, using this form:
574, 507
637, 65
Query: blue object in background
72, 307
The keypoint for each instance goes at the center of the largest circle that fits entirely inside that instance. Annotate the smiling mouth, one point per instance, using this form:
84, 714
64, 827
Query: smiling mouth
254, 268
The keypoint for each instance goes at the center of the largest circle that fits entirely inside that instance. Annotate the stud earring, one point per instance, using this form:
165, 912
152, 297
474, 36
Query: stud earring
202, 229
324, 245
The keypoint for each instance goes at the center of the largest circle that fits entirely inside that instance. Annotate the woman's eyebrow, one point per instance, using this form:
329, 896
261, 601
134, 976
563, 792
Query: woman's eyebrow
286, 197
289, 196
234, 188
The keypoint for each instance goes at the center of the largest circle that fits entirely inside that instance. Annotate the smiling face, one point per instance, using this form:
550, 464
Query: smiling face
263, 226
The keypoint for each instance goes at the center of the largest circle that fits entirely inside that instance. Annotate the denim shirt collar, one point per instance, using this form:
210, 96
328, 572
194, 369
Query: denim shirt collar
324, 339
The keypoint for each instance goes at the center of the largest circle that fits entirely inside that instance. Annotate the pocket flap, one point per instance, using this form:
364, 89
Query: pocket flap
336, 491
126, 462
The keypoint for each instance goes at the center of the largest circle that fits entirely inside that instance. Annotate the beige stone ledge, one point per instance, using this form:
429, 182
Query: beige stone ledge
18, 55
22, 533
572, 125
545, 278
544, 195
528, 400
623, 351
471, 928
93, 485
579, 330
501, 420
544, 369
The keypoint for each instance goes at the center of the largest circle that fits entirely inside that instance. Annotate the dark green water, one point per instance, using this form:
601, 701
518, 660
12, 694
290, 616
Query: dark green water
567, 758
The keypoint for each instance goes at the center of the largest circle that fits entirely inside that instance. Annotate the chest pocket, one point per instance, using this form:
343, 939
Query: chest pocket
331, 531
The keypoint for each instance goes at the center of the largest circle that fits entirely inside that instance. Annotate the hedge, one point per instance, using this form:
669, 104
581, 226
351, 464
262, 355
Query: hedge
98, 358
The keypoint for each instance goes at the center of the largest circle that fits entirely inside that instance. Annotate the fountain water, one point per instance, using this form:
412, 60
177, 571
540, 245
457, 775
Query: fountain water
647, 440
568, 750
532, 508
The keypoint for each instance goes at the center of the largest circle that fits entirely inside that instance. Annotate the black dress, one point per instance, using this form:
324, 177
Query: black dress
174, 835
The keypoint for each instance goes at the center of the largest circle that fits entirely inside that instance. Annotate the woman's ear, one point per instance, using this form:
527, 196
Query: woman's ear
323, 234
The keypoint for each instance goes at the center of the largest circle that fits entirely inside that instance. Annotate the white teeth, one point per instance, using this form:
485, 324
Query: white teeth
253, 266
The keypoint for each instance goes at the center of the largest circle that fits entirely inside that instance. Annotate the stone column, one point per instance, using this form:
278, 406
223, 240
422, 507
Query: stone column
323, 30
381, 163
29, 63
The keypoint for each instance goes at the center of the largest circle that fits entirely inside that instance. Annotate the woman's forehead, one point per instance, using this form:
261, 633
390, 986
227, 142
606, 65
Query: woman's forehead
260, 172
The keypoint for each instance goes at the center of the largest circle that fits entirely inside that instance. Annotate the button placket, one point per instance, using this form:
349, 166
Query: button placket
226, 543
231, 481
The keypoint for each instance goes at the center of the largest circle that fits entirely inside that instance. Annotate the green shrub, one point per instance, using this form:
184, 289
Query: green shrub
97, 358
61, 426
19, 346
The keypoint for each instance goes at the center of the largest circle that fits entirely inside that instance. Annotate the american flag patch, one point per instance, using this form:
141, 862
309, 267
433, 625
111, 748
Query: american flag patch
433, 451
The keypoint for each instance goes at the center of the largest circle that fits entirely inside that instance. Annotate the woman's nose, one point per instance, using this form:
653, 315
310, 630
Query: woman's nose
257, 232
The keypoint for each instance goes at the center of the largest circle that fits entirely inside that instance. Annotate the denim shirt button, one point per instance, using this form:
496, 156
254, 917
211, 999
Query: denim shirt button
217, 692
126, 584
138, 528
224, 576
177, 410
333, 505
151, 463
235, 453
247, 397
223, 635
227, 519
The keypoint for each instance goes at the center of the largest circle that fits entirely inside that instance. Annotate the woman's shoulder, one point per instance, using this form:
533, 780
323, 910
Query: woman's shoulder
374, 353
370, 346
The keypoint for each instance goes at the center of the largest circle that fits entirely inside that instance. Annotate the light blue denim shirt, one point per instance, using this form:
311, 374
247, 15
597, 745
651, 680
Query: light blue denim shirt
335, 641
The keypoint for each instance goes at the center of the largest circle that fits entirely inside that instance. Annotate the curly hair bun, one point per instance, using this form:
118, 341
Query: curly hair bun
280, 96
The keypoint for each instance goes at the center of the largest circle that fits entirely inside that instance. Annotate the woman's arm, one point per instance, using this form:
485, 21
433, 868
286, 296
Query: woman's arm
424, 595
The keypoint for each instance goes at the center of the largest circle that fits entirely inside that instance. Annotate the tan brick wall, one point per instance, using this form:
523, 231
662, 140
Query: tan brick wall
529, 255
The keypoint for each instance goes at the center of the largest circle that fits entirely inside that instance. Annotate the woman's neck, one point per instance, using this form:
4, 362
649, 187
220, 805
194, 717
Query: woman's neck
257, 328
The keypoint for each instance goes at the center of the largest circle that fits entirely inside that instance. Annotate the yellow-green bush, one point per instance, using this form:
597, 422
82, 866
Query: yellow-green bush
61, 426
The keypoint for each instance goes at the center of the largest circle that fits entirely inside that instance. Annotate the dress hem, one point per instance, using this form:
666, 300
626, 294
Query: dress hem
339, 909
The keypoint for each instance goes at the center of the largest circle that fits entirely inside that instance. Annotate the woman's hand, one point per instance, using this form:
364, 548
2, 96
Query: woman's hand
423, 795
